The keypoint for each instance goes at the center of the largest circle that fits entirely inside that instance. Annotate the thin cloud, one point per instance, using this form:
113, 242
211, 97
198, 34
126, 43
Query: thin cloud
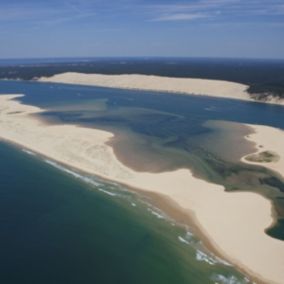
216, 8
193, 6
180, 17
191, 11
50, 15
14, 13
71, 18
56, 12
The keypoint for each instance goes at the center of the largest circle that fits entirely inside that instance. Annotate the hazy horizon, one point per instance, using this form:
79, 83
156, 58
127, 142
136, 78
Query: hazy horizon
141, 57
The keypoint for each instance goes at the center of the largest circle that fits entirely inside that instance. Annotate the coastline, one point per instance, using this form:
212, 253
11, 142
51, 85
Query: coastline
245, 245
187, 86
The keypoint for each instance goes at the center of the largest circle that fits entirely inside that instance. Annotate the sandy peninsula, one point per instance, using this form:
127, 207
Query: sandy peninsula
213, 88
234, 223
269, 143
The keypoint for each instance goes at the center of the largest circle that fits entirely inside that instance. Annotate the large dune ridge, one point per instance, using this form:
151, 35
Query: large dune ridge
190, 86
234, 223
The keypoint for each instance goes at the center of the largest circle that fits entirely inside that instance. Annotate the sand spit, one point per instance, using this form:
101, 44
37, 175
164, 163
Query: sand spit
213, 88
270, 148
233, 222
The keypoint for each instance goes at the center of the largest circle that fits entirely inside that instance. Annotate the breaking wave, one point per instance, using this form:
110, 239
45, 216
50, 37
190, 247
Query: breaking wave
107, 192
183, 240
222, 279
81, 177
159, 215
202, 256
29, 152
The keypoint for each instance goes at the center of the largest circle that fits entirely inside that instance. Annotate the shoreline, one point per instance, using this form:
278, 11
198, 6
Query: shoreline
185, 86
20, 127
267, 139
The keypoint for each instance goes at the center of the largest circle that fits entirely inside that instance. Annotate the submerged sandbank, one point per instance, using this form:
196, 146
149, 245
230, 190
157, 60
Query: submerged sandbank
233, 222
214, 88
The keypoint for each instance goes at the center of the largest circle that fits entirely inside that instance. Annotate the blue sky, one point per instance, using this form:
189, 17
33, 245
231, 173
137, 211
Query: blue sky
192, 28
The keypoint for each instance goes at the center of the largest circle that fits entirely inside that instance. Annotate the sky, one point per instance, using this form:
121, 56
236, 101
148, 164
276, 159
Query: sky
103, 28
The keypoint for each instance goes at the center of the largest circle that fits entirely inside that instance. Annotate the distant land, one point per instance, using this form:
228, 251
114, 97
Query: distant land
265, 78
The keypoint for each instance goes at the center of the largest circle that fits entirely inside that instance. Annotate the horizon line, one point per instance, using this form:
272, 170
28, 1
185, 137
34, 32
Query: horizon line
141, 57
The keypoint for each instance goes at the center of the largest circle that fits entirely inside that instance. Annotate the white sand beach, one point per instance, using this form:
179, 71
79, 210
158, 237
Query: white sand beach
213, 88
268, 140
234, 223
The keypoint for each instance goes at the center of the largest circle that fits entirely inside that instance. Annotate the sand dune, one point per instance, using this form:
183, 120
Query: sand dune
233, 222
156, 83
214, 88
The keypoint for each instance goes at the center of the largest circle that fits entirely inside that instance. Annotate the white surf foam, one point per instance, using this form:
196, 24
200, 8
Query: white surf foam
107, 192
29, 152
181, 239
222, 279
81, 177
202, 256
54, 164
155, 213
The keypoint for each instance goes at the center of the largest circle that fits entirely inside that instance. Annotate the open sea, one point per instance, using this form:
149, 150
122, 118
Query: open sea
60, 226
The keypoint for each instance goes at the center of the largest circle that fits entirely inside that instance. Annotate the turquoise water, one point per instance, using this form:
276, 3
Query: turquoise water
60, 227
